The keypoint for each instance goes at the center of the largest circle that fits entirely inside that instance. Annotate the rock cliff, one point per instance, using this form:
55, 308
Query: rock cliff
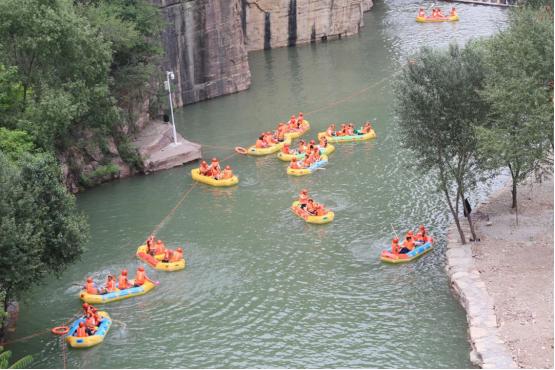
275, 23
205, 47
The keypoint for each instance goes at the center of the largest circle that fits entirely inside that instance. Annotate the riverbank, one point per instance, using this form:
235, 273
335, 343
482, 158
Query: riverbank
516, 265
508, 296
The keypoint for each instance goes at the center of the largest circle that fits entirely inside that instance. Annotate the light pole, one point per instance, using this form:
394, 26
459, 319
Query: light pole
170, 75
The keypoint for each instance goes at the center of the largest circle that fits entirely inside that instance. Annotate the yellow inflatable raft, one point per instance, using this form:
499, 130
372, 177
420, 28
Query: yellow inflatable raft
452, 18
305, 126
311, 219
308, 170
117, 295
208, 180
156, 261
287, 157
253, 150
346, 139
91, 340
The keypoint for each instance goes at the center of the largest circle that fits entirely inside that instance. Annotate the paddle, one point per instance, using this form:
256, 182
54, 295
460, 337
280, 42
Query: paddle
152, 281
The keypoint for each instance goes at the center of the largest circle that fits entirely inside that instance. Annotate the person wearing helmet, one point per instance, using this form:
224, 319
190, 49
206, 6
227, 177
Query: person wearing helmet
90, 286
123, 282
366, 128
303, 198
81, 330
424, 232
419, 239
86, 308
110, 285
395, 248
300, 120
204, 169
140, 277
292, 122
177, 255
294, 164
349, 130
307, 162
228, 173
421, 13
453, 12
323, 143
331, 130
408, 244
215, 166
160, 248
285, 148
302, 146
90, 324
260, 143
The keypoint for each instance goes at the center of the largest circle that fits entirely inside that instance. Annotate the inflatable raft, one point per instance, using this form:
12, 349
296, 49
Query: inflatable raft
253, 150
118, 295
294, 134
306, 171
156, 261
346, 139
287, 157
387, 256
311, 219
208, 180
452, 18
91, 340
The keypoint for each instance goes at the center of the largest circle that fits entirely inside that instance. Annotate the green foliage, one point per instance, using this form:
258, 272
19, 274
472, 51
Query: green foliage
518, 133
129, 154
99, 175
438, 105
42, 231
14, 143
22, 363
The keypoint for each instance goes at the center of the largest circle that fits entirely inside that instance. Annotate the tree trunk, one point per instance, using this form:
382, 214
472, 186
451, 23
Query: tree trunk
454, 213
514, 194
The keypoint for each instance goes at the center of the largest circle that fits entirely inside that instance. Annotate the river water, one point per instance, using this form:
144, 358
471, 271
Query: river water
262, 288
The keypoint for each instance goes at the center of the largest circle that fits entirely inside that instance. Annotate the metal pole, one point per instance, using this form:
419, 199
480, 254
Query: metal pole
171, 106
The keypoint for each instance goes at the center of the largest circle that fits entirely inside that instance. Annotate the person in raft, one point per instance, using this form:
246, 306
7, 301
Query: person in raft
90, 324
292, 123
300, 120
366, 128
303, 198
123, 281
453, 12
110, 285
302, 146
140, 277
90, 286
323, 142
173, 256
408, 244
159, 248
204, 169
315, 208
215, 168
150, 242
421, 13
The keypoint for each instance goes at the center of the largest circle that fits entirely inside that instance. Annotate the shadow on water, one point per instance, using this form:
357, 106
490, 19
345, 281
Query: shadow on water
262, 288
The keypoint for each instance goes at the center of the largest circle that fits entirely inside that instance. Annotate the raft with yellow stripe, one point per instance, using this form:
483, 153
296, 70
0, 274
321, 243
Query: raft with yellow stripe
348, 138
418, 251
451, 18
91, 340
156, 261
308, 170
294, 134
311, 219
117, 295
287, 157
209, 180
253, 150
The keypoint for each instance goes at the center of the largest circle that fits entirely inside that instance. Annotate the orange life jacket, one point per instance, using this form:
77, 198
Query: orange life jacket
285, 150
81, 332
203, 169
215, 172
294, 165
320, 211
176, 256
90, 322
228, 174
409, 244
395, 248
122, 282
110, 285
260, 144
140, 278
160, 248
91, 288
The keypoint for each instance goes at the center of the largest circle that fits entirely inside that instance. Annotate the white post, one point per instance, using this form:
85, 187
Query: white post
168, 76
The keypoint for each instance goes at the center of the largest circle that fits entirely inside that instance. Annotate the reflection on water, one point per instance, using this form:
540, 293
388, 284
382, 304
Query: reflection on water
262, 288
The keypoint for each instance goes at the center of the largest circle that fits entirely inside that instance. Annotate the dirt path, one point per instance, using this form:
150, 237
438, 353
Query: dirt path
516, 263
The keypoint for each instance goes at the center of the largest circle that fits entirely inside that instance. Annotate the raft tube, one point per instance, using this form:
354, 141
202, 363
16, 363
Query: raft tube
91, 340
306, 171
156, 261
118, 295
253, 150
311, 219
209, 180
437, 19
294, 134
287, 157
387, 256
346, 139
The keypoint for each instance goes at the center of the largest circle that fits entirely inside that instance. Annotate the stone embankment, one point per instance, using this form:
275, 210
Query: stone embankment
505, 281
156, 146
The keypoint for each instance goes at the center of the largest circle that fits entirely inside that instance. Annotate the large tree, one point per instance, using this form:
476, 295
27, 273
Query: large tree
42, 231
518, 133
438, 105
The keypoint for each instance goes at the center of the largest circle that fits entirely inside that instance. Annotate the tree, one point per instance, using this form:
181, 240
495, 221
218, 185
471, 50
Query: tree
42, 231
437, 107
22, 363
518, 133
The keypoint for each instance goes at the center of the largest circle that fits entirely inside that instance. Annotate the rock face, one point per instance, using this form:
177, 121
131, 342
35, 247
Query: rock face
276, 23
205, 48
206, 41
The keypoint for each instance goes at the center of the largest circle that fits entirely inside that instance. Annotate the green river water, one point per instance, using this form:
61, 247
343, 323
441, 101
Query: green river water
262, 288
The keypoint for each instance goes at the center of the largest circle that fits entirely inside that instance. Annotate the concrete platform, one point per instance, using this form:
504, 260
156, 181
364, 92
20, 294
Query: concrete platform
158, 151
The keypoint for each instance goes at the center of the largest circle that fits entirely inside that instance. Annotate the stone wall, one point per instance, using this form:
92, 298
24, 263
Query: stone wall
204, 47
276, 23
